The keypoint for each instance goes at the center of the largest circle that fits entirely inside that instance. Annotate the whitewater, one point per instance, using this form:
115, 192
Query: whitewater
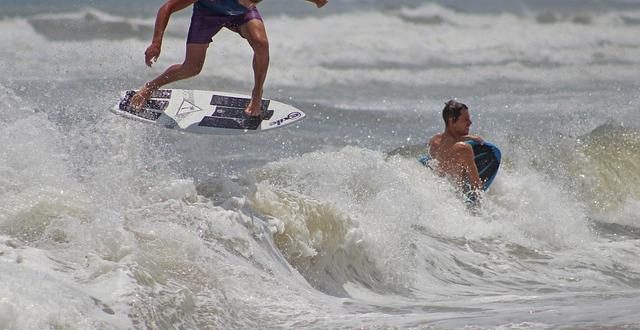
108, 223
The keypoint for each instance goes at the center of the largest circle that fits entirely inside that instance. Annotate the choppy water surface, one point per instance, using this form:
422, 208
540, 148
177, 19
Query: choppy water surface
107, 223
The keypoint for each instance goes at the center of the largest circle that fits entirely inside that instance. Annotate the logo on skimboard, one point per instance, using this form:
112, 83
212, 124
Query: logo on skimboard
186, 108
290, 116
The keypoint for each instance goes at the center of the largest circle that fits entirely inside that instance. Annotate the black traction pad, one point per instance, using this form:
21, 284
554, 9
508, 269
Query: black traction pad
238, 113
230, 113
146, 114
236, 123
157, 105
236, 102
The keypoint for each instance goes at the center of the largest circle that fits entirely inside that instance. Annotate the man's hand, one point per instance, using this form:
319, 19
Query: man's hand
319, 3
476, 138
152, 53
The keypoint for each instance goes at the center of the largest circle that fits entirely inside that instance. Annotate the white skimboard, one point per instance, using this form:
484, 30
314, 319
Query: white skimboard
207, 112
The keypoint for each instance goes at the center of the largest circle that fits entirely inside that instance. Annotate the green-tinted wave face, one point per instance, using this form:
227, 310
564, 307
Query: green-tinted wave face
610, 168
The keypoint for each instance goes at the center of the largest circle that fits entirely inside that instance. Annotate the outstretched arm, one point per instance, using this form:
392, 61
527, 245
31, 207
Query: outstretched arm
319, 3
162, 20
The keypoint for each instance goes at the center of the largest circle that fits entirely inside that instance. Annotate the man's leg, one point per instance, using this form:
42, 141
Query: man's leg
192, 65
256, 35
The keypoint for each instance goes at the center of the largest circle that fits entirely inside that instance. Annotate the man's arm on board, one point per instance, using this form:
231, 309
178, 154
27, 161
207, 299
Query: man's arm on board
162, 20
476, 138
465, 154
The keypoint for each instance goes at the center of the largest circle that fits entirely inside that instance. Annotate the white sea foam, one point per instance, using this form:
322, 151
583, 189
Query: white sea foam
402, 214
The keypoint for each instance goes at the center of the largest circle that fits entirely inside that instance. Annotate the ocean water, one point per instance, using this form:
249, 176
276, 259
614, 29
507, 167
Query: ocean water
107, 223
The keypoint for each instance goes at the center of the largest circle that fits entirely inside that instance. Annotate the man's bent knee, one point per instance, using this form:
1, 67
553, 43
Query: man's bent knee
260, 43
255, 34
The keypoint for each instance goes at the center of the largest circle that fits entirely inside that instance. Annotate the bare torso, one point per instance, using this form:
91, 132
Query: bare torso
441, 149
454, 159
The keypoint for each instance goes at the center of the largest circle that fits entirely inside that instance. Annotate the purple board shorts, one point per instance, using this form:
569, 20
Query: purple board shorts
205, 24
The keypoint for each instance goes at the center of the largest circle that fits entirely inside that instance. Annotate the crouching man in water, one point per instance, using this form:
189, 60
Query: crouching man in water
454, 158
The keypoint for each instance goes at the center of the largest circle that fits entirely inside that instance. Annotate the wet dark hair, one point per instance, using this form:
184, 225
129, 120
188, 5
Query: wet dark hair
452, 109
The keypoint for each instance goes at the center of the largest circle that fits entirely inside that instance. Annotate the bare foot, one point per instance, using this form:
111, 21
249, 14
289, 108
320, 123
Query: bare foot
140, 98
254, 109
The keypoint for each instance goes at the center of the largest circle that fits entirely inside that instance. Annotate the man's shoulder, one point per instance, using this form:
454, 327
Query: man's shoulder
463, 148
436, 138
